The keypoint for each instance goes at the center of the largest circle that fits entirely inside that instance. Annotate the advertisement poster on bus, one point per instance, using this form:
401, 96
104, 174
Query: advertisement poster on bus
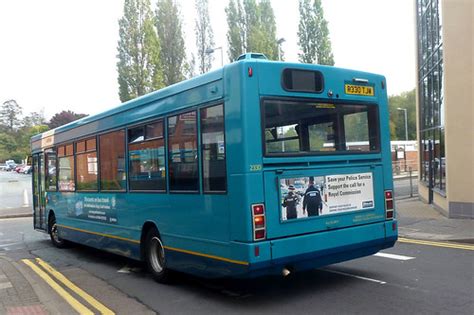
101, 209
311, 196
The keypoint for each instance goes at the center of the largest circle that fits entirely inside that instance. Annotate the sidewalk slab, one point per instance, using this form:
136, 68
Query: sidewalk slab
16, 294
419, 220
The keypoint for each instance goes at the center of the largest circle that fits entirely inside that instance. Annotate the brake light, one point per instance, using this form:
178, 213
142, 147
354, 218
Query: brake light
257, 209
258, 216
389, 204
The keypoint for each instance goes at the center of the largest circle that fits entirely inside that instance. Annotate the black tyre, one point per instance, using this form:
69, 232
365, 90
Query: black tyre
155, 257
54, 234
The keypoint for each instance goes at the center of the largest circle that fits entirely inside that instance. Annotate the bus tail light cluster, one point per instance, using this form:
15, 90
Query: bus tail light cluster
389, 204
258, 218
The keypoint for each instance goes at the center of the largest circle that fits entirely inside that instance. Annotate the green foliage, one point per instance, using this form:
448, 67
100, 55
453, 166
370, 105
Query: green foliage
204, 36
313, 34
10, 113
252, 28
406, 100
139, 70
173, 53
64, 117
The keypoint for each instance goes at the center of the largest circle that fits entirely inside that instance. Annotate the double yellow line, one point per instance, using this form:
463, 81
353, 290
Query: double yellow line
438, 244
78, 306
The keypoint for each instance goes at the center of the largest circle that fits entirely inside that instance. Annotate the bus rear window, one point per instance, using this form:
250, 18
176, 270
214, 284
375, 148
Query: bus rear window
307, 128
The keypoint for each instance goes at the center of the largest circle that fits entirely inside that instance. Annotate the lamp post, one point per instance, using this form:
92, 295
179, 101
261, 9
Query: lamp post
279, 42
406, 122
213, 50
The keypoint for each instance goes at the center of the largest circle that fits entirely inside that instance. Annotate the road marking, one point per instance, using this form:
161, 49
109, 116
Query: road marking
5, 285
355, 276
59, 276
10, 244
127, 269
393, 256
438, 244
63, 293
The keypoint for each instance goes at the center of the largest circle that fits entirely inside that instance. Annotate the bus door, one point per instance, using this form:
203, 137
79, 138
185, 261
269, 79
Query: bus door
39, 196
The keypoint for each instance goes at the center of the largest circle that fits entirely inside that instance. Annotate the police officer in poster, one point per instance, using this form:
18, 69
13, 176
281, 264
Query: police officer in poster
290, 202
312, 200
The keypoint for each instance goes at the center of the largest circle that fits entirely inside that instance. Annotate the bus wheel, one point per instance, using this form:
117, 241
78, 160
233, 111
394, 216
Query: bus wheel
155, 257
54, 234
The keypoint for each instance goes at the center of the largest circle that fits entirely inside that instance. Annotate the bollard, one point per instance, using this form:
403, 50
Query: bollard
26, 203
411, 182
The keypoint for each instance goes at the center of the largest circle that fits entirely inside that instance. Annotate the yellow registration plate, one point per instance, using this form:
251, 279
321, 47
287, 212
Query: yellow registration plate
359, 90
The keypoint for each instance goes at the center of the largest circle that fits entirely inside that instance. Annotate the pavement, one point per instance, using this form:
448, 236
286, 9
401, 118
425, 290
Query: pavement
21, 293
418, 220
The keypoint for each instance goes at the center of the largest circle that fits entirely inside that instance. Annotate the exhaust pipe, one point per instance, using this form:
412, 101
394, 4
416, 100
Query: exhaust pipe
285, 272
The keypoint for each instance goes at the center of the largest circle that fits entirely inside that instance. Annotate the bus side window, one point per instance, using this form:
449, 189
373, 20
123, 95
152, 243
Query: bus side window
51, 178
146, 156
112, 161
66, 168
182, 152
214, 175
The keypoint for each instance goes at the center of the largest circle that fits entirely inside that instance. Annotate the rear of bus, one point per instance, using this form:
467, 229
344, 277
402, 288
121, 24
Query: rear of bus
319, 182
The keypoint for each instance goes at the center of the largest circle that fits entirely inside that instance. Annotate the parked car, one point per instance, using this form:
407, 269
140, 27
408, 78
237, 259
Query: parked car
27, 169
19, 168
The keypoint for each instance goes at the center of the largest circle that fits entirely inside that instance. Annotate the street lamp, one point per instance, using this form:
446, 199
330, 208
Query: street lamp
279, 42
213, 50
406, 122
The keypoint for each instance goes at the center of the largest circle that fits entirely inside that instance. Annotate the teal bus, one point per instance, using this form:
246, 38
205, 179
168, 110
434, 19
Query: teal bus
257, 168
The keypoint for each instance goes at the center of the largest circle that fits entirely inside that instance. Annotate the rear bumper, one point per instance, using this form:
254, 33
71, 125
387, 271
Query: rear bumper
297, 253
315, 250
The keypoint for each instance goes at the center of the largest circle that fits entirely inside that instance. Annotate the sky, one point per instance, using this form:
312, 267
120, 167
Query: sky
61, 54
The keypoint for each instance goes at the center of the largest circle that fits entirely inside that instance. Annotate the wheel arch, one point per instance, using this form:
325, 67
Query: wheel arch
50, 215
147, 226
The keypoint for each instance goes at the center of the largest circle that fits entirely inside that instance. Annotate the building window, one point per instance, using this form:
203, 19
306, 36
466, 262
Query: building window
213, 150
431, 100
66, 168
86, 165
112, 161
51, 177
146, 154
182, 152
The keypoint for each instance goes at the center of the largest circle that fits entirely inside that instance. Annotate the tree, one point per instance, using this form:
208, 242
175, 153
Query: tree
10, 114
204, 36
251, 27
406, 100
236, 26
63, 118
139, 70
313, 34
34, 119
173, 54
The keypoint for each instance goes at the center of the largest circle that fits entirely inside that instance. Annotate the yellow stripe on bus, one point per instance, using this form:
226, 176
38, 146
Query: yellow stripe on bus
100, 234
87, 297
239, 262
438, 244
81, 309
167, 247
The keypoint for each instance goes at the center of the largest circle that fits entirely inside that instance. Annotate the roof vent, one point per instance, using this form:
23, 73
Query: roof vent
252, 56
